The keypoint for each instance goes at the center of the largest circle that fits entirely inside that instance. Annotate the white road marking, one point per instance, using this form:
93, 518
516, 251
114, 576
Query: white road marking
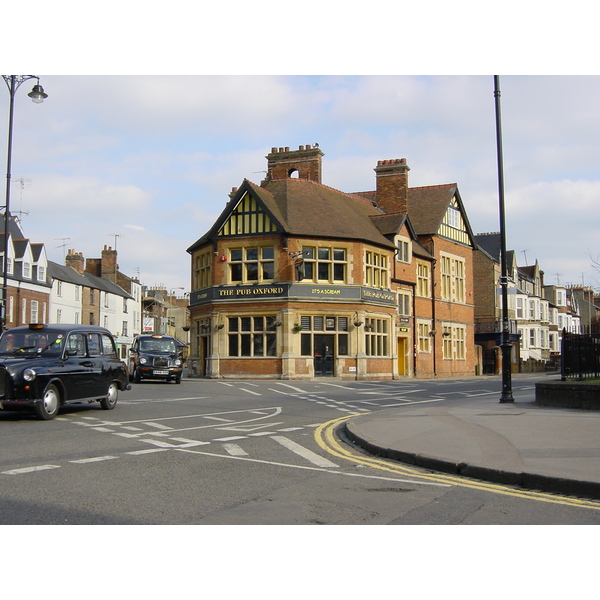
30, 469
93, 459
156, 425
229, 439
189, 443
158, 443
292, 387
247, 428
147, 451
250, 391
309, 455
234, 450
268, 412
322, 470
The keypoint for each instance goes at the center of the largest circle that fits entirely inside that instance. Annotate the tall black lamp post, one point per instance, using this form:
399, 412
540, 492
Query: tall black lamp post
505, 344
38, 95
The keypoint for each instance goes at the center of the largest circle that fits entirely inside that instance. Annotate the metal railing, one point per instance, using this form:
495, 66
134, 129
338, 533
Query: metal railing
580, 355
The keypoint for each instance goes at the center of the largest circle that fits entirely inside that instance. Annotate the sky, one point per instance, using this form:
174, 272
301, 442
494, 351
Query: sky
145, 163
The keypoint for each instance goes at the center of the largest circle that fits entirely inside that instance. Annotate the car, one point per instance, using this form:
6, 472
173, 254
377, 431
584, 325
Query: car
155, 356
44, 367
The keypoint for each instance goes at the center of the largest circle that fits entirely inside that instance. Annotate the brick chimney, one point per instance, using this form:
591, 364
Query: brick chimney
304, 163
75, 260
109, 266
392, 185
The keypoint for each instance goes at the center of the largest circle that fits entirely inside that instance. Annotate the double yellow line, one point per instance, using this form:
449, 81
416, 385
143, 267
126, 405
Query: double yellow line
327, 440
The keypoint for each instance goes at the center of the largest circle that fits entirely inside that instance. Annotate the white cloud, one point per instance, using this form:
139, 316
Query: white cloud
153, 159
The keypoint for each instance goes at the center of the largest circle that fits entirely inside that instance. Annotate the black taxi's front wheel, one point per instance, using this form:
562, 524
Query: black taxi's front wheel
112, 395
48, 407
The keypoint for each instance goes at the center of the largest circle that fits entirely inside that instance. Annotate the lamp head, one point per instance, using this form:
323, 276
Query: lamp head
37, 94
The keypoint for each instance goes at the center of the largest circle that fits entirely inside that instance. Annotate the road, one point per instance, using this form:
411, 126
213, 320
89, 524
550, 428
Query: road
246, 452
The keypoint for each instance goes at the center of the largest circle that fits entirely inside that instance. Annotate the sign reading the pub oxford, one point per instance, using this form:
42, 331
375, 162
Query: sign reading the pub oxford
292, 291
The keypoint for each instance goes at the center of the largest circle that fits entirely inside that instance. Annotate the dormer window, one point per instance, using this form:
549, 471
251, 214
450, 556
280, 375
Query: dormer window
27, 270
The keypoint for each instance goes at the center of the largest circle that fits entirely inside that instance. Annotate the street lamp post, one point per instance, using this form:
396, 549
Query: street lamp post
37, 95
505, 344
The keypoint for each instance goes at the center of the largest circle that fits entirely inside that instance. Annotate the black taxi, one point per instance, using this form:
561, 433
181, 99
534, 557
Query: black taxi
155, 356
43, 367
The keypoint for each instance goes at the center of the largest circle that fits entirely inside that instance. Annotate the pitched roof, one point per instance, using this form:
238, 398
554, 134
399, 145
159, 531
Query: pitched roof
305, 208
70, 275
427, 206
490, 243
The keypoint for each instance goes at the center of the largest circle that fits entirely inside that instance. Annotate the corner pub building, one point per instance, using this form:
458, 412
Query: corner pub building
297, 280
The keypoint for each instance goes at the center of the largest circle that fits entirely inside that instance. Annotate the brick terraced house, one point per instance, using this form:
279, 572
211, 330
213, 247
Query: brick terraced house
297, 280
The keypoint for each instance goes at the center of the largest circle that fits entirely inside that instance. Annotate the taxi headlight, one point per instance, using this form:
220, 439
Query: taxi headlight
29, 374
177, 363
143, 361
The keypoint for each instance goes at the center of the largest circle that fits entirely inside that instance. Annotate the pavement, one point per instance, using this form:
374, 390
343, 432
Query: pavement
549, 449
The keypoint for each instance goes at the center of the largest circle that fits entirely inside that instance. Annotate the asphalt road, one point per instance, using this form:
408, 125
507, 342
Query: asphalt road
232, 453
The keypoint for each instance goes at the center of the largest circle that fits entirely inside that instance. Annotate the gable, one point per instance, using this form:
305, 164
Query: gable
454, 225
248, 218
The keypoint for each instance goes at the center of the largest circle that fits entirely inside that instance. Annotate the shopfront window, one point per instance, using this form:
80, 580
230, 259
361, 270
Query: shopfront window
315, 326
252, 336
376, 337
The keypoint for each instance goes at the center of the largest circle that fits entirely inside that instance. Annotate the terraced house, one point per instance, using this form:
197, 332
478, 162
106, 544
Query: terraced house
27, 285
297, 280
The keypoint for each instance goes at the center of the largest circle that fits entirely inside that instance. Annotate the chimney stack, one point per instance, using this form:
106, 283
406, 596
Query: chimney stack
109, 264
75, 261
304, 163
392, 185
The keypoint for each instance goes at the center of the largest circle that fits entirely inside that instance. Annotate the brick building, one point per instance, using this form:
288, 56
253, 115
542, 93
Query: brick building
296, 279
28, 288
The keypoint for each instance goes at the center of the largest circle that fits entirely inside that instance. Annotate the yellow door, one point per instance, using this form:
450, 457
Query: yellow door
402, 345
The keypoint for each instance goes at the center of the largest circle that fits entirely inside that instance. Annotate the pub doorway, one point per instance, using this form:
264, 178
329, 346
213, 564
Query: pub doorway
324, 355
203, 355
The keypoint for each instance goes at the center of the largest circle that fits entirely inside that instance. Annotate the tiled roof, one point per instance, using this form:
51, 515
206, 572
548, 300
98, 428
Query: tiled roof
70, 275
315, 210
490, 243
426, 205
305, 208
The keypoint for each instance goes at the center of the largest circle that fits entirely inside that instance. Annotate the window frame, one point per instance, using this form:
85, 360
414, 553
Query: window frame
423, 280
246, 261
252, 336
377, 269
315, 263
